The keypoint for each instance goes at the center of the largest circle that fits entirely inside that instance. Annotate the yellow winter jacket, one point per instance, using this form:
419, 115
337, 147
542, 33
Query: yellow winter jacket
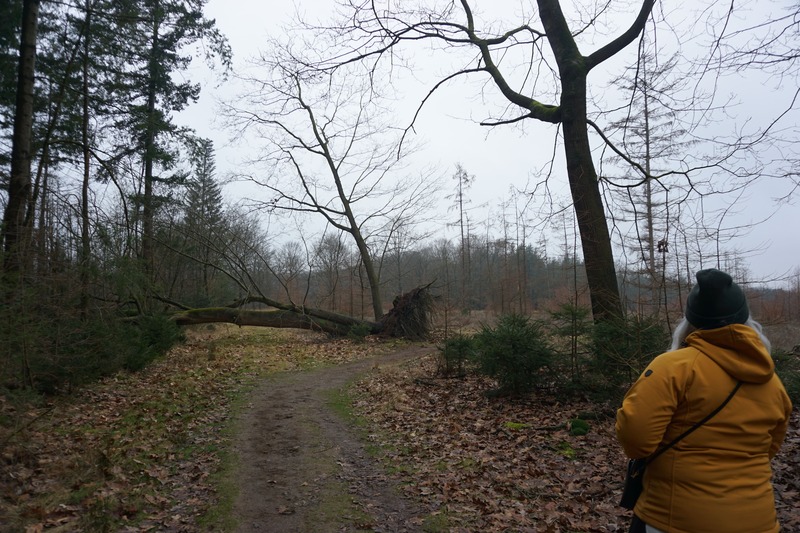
717, 479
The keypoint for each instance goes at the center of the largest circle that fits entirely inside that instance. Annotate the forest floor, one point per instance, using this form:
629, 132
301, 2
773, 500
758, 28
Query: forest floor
303, 465
257, 430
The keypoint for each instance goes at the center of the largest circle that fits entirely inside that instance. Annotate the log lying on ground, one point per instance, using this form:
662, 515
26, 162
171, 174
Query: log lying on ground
279, 318
409, 317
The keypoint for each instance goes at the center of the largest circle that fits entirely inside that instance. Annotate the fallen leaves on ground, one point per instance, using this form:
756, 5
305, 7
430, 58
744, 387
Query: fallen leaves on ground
497, 464
138, 452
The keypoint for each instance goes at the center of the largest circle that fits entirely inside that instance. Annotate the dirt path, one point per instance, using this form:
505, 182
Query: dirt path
302, 468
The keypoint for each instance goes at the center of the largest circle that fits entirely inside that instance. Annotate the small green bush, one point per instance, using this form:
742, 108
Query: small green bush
787, 366
622, 349
570, 326
151, 336
358, 332
516, 353
72, 351
455, 355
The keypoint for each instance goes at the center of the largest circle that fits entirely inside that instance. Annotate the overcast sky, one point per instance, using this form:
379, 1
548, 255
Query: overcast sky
499, 158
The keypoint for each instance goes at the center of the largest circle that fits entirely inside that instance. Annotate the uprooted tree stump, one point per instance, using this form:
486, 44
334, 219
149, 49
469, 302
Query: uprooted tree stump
410, 316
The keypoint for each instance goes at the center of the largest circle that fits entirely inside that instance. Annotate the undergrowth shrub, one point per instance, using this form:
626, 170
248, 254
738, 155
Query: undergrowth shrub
71, 350
516, 353
787, 366
578, 427
153, 336
455, 355
358, 332
570, 326
621, 349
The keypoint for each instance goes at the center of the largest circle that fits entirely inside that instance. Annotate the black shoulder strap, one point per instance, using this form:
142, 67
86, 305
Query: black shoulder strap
708, 417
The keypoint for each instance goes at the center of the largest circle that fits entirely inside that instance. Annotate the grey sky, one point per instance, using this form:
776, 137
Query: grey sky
500, 158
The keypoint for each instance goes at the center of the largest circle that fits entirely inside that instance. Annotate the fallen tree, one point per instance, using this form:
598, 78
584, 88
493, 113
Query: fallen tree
410, 316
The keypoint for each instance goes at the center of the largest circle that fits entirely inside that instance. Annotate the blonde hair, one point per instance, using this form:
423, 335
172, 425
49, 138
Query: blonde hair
684, 328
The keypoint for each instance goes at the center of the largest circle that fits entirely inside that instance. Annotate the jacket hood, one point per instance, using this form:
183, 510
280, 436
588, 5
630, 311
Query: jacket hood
737, 349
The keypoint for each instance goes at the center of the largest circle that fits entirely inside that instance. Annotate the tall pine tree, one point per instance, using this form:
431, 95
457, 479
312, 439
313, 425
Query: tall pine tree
155, 36
204, 218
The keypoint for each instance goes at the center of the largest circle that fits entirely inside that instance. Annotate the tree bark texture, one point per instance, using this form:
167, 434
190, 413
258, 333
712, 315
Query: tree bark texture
19, 189
573, 69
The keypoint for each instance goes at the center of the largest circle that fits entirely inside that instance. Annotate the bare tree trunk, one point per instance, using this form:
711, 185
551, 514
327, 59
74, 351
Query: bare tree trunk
40, 243
410, 317
369, 267
148, 206
589, 210
275, 319
19, 187
583, 180
14, 232
85, 248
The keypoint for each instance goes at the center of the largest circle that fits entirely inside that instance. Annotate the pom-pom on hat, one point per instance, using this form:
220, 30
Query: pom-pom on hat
716, 301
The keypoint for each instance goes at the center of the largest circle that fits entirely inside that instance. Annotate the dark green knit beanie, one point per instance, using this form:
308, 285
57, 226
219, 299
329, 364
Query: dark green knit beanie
716, 301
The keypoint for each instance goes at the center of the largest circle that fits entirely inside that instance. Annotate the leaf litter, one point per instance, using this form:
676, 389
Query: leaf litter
499, 464
139, 452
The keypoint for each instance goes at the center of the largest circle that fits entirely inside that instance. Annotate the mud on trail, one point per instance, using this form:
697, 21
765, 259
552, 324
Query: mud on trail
303, 468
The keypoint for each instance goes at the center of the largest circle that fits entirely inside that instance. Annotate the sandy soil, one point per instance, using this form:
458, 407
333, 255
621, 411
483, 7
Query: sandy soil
303, 468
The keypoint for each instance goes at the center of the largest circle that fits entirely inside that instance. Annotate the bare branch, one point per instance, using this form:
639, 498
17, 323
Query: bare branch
615, 46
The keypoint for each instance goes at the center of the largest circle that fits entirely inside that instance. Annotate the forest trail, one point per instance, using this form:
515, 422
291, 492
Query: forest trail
303, 468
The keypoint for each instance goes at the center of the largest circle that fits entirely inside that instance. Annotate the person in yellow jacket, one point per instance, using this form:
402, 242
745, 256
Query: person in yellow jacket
717, 478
